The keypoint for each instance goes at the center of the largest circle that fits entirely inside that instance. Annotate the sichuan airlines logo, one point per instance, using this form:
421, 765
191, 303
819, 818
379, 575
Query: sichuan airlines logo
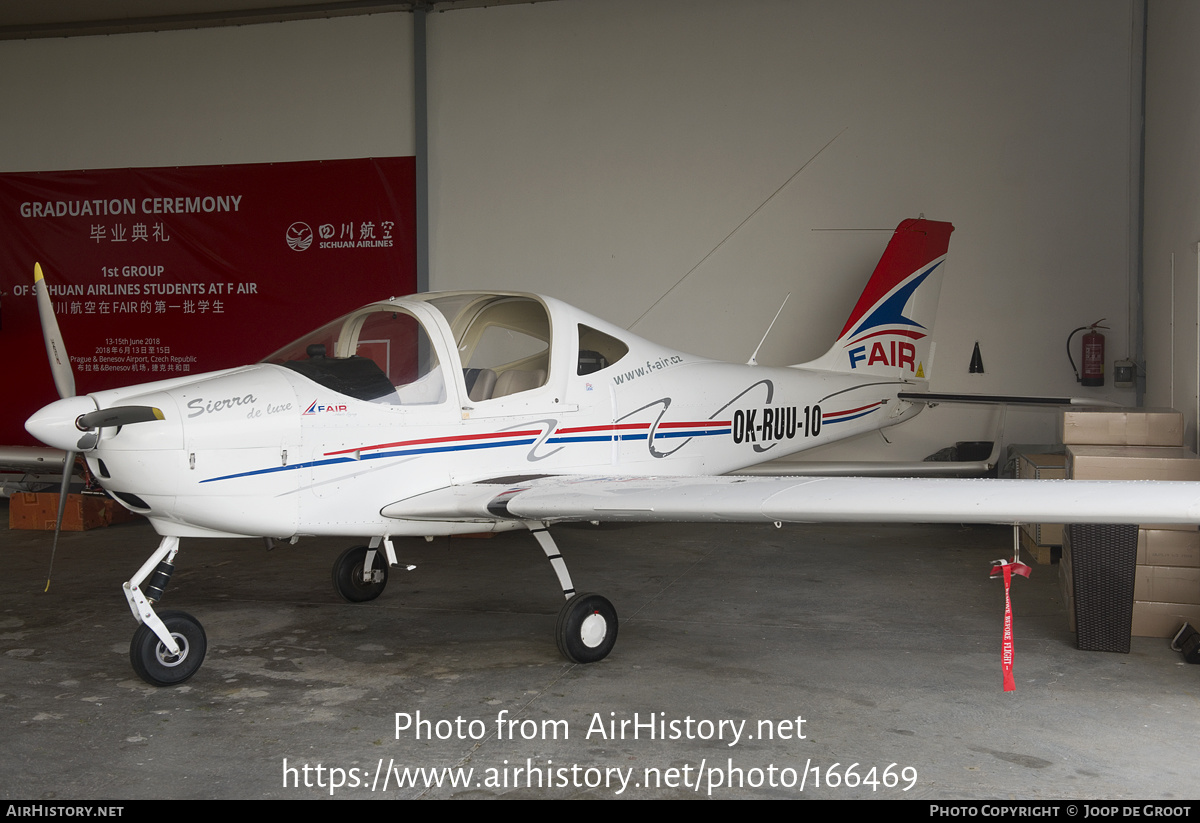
351, 234
299, 236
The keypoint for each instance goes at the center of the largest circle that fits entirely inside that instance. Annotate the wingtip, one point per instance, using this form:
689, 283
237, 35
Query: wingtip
37, 272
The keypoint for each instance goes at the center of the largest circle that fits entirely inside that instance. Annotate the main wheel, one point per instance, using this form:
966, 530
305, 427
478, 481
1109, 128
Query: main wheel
348, 575
586, 628
157, 666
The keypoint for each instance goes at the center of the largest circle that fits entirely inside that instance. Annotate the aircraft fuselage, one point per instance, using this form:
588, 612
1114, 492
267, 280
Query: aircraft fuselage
266, 451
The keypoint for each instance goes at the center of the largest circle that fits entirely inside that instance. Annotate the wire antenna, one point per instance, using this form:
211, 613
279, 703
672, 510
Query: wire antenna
738, 226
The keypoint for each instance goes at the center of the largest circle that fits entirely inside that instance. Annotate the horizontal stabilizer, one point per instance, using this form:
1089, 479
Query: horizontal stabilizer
874, 468
1003, 399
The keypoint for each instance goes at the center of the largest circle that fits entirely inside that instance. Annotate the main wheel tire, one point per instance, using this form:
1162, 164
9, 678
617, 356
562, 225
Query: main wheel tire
158, 667
348, 575
586, 628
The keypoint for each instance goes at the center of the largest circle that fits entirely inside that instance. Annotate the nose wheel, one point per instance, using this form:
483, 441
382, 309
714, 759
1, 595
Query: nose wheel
586, 628
155, 664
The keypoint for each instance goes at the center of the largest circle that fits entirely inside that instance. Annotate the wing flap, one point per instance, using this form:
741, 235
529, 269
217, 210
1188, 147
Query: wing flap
810, 499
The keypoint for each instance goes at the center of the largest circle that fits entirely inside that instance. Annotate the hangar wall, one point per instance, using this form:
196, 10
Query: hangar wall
598, 151
1172, 204
309, 90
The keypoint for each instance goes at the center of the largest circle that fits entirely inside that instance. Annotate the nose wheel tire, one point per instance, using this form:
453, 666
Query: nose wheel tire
348, 575
157, 666
586, 628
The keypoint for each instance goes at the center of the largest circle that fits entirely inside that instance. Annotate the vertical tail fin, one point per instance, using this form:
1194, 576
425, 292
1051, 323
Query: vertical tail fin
890, 331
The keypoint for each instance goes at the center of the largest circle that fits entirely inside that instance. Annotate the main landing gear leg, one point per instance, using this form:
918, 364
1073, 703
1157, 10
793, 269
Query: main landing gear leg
166, 649
586, 629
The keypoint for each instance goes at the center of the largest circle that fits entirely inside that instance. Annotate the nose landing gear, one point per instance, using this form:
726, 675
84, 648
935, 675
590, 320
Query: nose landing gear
158, 665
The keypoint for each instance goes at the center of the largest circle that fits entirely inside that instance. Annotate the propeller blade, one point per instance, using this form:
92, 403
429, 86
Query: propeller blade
68, 470
118, 416
64, 382
56, 350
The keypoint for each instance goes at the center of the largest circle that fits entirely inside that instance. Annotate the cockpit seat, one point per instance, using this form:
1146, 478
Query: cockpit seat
518, 380
481, 384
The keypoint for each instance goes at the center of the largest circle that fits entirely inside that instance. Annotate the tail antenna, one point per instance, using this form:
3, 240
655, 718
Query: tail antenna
754, 357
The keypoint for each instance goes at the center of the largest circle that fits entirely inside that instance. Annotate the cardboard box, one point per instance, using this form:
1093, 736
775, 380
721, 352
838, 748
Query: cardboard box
1170, 584
1164, 547
1108, 426
1043, 467
1162, 619
1134, 463
82, 512
1043, 535
1042, 555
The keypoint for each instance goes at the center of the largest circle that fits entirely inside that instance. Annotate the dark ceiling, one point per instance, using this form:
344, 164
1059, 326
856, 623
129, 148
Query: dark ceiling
29, 19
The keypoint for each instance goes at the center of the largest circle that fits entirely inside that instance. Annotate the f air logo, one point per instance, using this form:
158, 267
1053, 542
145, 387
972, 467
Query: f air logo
899, 353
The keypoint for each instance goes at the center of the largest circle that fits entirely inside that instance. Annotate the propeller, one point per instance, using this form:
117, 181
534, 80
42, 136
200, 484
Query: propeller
64, 382
118, 416
56, 350
91, 422
59, 423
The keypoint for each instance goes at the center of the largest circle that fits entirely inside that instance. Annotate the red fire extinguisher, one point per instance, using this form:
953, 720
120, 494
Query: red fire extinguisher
1093, 355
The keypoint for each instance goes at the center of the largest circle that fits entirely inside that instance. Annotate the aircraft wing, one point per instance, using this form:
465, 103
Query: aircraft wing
32, 459
29, 468
807, 499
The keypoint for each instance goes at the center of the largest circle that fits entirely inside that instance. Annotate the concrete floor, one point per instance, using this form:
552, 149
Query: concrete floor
884, 639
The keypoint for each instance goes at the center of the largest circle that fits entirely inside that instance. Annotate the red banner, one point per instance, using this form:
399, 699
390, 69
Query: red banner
159, 273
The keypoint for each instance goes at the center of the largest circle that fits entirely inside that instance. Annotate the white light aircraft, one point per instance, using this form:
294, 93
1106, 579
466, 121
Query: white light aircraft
461, 412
